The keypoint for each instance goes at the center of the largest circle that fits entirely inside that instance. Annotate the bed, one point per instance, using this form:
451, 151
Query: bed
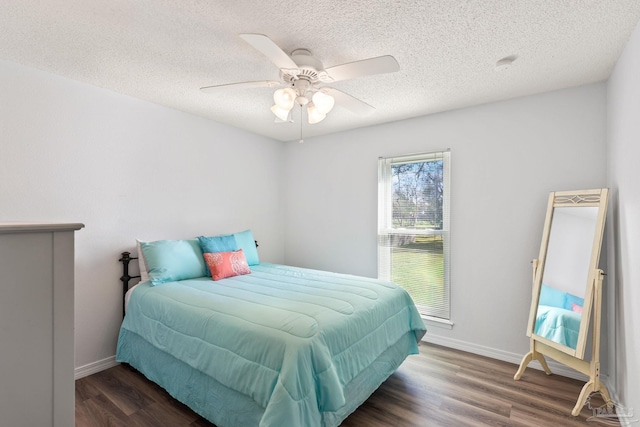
281, 346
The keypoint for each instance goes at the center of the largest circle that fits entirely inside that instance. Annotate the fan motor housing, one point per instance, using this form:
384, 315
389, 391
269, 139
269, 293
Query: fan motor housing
308, 65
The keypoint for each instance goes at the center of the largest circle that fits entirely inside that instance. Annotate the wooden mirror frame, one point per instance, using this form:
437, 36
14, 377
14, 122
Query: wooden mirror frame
541, 346
571, 199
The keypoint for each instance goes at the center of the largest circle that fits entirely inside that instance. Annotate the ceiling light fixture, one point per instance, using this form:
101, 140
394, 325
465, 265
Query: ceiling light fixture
281, 113
504, 63
299, 93
314, 114
323, 102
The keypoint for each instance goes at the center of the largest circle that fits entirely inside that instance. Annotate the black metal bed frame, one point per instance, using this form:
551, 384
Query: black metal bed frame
125, 259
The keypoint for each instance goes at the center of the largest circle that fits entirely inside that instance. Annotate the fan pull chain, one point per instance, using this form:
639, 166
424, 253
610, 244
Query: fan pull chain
301, 140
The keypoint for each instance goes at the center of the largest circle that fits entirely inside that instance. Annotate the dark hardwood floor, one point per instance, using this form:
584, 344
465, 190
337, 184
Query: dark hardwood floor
438, 387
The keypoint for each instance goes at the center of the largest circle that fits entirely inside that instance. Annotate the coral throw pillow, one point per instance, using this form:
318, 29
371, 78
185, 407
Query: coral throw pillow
576, 308
227, 264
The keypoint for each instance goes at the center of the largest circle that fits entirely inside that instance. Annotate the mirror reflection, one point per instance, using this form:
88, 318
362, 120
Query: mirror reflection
565, 277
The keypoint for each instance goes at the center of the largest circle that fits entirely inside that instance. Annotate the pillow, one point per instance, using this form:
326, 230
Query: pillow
227, 264
222, 243
171, 260
577, 308
551, 296
571, 300
247, 243
142, 263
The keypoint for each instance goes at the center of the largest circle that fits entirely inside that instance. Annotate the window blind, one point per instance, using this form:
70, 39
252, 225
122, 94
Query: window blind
414, 228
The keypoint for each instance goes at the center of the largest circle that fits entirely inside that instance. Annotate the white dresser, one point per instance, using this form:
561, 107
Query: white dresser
36, 324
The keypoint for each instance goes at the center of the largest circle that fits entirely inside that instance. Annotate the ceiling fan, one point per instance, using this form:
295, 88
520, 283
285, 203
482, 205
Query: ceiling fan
302, 78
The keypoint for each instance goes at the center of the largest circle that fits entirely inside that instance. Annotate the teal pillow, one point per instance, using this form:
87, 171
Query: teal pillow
222, 243
247, 243
572, 299
171, 260
552, 297
213, 244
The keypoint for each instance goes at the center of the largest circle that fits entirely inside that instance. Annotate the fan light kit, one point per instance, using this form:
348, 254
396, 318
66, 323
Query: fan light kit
317, 108
301, 77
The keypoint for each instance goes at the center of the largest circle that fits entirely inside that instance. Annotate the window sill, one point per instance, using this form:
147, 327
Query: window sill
437, 322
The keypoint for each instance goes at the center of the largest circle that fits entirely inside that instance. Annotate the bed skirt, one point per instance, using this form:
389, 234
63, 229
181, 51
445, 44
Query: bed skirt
226, 407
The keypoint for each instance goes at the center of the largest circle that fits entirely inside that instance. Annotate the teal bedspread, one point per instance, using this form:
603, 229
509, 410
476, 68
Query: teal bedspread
558, 325
289, 338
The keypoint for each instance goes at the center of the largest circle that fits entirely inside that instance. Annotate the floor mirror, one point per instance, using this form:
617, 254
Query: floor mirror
567, 288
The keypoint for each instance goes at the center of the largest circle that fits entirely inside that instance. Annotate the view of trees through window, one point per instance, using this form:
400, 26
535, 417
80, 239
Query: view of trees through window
417, 195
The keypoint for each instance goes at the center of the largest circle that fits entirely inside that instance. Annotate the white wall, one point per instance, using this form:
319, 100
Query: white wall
505, 159
126, 169
623, 135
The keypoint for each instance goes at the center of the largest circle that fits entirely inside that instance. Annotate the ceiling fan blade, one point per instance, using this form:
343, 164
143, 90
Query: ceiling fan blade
261, 83
365, 67
271, 50
349, 102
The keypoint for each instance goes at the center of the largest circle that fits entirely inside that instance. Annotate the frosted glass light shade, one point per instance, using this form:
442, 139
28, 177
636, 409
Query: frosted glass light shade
281, 113
323, 102
284, 98
314, 115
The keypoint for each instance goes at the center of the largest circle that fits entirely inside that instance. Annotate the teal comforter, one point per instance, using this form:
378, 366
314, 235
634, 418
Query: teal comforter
558, 325
290, 338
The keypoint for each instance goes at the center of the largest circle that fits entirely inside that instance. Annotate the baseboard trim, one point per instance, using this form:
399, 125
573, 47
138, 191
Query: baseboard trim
626, 416
505, 356
95, 367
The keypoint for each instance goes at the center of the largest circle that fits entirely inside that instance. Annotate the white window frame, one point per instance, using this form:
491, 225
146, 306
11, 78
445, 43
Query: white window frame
385, 228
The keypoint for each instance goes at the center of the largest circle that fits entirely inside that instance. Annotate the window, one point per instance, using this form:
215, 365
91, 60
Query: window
413, 228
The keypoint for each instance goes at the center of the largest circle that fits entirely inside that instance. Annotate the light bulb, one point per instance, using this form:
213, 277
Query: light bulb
314, 115
281, 113
284, 98
323, 102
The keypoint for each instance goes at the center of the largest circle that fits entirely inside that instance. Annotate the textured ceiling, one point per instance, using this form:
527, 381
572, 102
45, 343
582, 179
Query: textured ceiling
163, 51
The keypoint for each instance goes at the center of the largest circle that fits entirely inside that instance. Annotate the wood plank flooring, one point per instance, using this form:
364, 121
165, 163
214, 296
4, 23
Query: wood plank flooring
438, 387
